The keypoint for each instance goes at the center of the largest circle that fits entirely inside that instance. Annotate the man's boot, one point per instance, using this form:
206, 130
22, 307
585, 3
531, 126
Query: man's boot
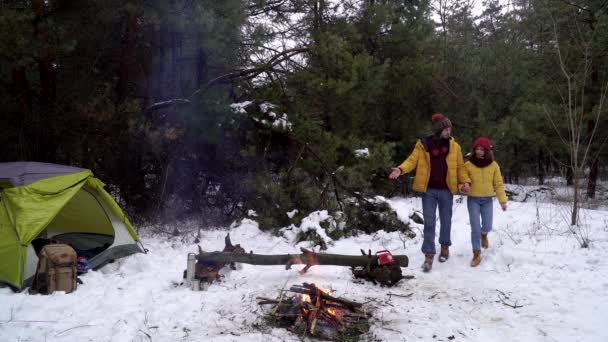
428, 262
476, 258
484, 240
445, 253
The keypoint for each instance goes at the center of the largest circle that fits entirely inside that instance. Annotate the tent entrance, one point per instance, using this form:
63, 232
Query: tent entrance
84, 213
82, 223
87, 245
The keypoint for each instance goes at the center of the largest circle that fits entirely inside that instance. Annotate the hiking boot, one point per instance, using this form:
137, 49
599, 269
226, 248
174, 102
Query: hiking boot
445, 253
484, 240
428, 262
476, 258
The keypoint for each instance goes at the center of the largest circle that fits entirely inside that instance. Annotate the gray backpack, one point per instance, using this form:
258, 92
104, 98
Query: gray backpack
56, 269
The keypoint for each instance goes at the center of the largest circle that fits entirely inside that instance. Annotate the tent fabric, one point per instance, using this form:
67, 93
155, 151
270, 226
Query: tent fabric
24, 173
55, 199
108, 200
32, 207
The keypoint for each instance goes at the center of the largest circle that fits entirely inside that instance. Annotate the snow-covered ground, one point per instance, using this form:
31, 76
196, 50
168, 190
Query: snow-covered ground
534, 263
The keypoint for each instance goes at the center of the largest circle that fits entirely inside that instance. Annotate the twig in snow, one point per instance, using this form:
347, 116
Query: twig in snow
398, 295
503, 299
27, 321
66, 330
145, 333
433, 296
389, 329
514, 306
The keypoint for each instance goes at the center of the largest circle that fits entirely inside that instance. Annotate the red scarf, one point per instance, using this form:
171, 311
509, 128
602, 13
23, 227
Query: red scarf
480, 162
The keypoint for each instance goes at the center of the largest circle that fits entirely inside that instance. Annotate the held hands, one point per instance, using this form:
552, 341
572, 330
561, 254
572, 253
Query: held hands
465, 188
395, 173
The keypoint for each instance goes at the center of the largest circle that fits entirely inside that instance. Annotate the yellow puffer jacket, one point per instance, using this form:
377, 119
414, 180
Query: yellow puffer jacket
486, 181
420, 160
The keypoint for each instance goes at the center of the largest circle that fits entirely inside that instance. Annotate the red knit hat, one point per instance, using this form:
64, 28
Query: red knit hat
440, 122
483, 142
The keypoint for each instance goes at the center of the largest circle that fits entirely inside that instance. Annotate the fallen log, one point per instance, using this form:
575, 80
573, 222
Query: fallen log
308, 258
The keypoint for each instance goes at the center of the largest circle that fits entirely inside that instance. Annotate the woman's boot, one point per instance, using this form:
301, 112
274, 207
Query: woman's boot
476, 258
428, 262
445, 253
484, 240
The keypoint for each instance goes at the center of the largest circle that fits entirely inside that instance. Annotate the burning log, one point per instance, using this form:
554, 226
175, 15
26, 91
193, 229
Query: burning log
315, 312
312, 290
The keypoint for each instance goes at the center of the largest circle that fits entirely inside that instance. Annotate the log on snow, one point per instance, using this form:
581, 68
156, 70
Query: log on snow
308, 258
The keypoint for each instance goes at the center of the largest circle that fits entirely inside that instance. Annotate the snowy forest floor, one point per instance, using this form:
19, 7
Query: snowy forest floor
534, 263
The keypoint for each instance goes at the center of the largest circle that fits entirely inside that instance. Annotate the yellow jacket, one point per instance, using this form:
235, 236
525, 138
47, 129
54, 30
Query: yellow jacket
420, 160
486, 181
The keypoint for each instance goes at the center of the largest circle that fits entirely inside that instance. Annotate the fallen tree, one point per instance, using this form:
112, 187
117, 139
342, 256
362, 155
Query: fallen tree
308, 258
366, 266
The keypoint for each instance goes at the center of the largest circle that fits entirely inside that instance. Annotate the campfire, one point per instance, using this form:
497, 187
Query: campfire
312, 311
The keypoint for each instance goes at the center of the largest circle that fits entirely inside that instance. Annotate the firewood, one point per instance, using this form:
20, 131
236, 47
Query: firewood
307, 291
319, 315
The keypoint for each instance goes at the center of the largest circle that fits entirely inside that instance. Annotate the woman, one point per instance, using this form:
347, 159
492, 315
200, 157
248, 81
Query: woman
486, 183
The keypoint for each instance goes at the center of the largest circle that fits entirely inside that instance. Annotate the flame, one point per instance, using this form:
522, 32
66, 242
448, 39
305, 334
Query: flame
306, 298
331, 311
326, 291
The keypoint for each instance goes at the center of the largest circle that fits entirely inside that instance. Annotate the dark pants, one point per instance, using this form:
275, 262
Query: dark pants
432, 199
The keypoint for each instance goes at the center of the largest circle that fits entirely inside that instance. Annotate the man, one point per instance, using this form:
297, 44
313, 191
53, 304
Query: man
439, 170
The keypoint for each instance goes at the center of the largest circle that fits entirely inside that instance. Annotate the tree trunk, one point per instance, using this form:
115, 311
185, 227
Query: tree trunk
45, 142
201, 68
593, 174
21, 89
48, 80
46, 69
159, 71
594, 94
146, 66
575, 201
307, 257
507, 176
569, 178
175, 64
541, 168
126, 57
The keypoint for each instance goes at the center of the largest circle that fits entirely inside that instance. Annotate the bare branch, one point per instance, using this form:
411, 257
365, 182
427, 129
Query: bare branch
576, 5
269, 65
568, 76
165, 104
555, 127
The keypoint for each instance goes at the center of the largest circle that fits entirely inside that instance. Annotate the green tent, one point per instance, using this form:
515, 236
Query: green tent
41, 201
